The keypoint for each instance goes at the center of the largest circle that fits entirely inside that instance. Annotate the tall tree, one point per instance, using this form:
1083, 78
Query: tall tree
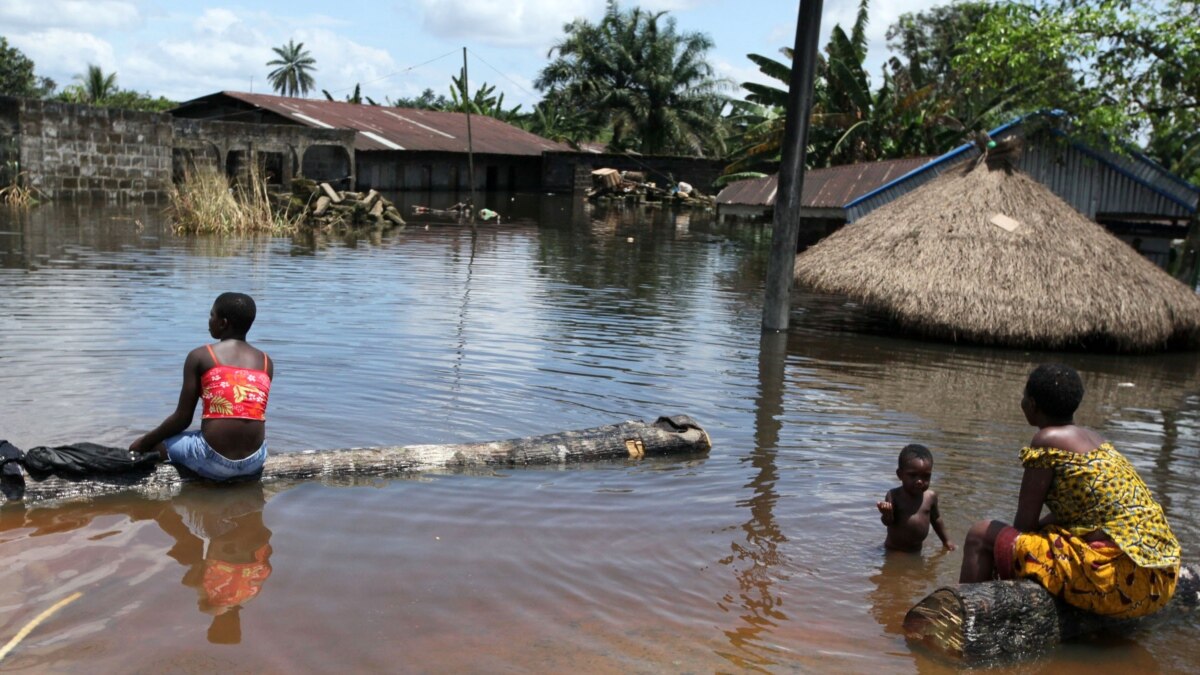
925, 46
292, 77
17, 77
95, 85
356, 97
1133, 68
483, 102
642, 79
428, 100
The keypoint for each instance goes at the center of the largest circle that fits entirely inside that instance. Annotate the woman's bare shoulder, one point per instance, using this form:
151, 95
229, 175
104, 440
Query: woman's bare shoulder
1072, 438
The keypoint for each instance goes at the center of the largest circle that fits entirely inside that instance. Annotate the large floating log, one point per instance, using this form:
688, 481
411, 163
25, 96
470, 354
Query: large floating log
1002, 621
634, 439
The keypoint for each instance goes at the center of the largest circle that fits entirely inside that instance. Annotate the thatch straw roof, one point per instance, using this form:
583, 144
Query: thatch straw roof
987, 254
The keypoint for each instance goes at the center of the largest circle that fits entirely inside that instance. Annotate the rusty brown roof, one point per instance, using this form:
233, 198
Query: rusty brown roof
830, 188
389, 128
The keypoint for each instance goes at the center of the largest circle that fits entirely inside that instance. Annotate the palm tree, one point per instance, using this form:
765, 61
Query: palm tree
95, 85
291, 78
641, 78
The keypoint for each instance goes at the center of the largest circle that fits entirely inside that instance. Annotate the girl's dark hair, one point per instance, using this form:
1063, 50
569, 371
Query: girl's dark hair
1056, 389
914, 451
236, 308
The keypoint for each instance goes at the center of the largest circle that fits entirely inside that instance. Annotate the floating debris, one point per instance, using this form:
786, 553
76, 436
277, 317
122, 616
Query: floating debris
329, 208
611, 185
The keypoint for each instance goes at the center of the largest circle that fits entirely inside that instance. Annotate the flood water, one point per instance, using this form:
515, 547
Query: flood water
763, 556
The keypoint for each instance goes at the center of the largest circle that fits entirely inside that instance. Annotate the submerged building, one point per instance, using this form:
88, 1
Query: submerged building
1129, 194
982, 252
394, 148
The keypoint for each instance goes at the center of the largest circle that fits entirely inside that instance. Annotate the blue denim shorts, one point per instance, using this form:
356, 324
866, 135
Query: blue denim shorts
190, 450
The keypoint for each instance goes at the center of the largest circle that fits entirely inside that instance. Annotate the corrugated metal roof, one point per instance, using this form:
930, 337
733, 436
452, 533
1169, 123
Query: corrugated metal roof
388, 128
830, 188
1135, 182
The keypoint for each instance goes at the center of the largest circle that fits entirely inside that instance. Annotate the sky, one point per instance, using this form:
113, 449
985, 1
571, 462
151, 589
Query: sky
392, 48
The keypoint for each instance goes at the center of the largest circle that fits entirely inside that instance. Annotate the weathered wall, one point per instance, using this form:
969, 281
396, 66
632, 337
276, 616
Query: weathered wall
562, 171
10, 155
81, 152
404, 170
285, 150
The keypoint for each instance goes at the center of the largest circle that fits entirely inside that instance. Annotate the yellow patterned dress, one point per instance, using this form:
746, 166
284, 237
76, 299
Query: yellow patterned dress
1130, 573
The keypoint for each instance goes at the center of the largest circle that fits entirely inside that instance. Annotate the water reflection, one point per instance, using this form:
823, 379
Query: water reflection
902, 580
551, 320
222, 542
218, 536
757, 561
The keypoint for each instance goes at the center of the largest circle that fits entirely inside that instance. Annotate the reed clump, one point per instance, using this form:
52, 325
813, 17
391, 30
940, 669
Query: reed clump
206, 202
18, 192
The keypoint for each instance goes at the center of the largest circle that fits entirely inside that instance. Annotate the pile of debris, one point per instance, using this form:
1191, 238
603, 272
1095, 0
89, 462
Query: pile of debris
329, 208
611, 185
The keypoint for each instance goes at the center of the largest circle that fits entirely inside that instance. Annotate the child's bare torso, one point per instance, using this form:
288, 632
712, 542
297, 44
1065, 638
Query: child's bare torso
911, 519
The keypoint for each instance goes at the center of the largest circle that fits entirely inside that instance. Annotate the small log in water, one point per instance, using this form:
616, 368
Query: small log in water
1000, 621
635, 439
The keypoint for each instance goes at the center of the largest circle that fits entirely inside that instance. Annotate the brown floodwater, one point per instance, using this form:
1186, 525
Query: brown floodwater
763, 556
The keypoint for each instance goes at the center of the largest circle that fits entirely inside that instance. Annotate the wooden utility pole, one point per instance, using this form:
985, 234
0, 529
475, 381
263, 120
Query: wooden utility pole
786, 230
470, 149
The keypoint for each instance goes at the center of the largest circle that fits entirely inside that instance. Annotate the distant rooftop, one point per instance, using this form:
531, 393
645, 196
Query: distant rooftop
380, 127
830, 188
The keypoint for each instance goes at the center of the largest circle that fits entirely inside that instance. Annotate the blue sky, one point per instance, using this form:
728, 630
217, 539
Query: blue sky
394, 48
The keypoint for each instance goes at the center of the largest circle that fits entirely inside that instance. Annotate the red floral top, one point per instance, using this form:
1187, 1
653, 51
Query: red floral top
230, 392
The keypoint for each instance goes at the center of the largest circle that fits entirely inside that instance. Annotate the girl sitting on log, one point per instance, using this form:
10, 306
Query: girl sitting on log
1105, 546
233, 379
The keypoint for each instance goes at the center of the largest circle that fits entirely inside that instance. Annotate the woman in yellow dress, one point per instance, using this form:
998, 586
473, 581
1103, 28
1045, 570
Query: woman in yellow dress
1105, 545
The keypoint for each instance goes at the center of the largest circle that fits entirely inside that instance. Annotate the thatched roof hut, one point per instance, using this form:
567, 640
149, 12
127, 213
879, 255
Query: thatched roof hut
986, 254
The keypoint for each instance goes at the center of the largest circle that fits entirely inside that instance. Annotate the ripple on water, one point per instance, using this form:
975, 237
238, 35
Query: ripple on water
764, 555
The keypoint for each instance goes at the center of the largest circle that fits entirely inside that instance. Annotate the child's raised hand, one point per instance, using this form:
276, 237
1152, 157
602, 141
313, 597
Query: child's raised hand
886, 514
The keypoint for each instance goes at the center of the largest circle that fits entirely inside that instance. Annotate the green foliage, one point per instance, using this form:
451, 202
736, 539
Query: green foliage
641, 79
428, 100
483, 102
95, 85
554, 119
292, 77
1132, 68
17, 77
356, 97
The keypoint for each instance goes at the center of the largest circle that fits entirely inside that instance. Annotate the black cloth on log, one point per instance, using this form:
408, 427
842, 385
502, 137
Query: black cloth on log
83, 460
10, 459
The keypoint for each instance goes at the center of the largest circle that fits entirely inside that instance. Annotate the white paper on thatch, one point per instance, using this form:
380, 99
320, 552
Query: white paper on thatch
1004, 222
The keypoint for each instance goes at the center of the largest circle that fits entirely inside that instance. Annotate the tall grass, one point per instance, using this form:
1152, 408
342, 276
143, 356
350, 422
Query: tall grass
18, 192
204, 202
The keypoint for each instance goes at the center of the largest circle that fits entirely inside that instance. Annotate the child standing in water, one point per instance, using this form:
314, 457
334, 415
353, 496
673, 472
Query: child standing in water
910, 509
233, 380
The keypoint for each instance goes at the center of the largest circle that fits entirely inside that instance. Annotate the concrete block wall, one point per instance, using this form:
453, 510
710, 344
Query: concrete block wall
10, 151
102, 155
76, 152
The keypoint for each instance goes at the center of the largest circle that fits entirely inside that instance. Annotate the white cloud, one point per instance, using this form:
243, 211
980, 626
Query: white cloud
64, 53
343, 63
509, 24
90, 15
216, 21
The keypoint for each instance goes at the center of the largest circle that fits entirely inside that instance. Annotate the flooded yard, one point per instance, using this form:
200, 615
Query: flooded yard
765, 555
